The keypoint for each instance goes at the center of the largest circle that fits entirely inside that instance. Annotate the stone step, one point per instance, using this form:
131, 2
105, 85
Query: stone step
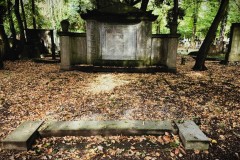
22, 137
105, 128
191, 135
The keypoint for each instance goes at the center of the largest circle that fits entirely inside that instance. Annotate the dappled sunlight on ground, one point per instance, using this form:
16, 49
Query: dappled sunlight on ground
106, 83
195, 75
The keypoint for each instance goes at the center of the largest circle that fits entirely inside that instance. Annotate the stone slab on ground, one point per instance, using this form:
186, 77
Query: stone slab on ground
22, 137
191, 135
105, 128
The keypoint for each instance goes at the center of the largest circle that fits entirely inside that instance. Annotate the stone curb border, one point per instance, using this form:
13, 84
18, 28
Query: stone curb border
24, 136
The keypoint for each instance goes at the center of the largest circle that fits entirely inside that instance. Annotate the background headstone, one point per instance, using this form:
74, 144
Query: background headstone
234, 51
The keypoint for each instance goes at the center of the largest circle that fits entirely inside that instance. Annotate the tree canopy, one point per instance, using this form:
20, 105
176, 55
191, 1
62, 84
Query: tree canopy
200, 13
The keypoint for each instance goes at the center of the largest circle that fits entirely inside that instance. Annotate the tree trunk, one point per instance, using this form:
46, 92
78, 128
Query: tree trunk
222, 32
19, 21
3, 35
174, 25
144, 5
195, 19
11, 23
1, 63
33, 15
203, 51
23, 14
132, 2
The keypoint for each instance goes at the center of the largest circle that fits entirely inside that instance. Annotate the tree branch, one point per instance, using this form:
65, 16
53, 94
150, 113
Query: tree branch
237, 4
132, 2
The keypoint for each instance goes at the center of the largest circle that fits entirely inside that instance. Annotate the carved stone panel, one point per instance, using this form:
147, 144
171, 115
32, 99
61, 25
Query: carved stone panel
119, 42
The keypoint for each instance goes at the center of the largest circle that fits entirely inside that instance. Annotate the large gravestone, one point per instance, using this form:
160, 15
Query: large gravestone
234, 50
118, 33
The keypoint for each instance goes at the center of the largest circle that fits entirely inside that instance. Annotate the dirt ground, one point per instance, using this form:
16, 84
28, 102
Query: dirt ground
34, 91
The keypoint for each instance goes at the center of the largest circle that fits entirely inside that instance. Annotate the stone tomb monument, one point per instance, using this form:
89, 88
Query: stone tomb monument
234, 49
118, 35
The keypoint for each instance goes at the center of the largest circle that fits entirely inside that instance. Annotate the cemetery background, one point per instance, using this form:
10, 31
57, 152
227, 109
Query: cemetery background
36, 91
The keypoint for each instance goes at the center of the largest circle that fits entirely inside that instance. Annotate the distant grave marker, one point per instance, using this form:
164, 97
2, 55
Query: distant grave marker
233, 54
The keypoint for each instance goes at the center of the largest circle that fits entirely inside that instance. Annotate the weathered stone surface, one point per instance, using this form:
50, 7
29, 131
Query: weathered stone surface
91, 128
73, 49
66, 57
23, 136
192, 137
118, 42
234, 55
164, 50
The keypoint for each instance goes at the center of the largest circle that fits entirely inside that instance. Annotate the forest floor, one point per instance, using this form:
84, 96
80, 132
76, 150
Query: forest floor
34, 91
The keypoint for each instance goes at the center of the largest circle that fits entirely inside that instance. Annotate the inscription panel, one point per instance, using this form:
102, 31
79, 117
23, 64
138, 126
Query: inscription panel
119, 42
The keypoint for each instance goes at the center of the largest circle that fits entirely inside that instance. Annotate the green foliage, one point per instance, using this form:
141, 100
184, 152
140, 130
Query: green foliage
55, 11
170, 15
206, 13
234, 12
49, 14
159, 8
2, 8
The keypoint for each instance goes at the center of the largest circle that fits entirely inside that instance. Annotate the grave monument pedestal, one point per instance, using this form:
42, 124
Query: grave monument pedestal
119, 34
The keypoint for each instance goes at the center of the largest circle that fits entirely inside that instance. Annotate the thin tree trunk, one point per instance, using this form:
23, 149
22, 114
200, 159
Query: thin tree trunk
19, 20
222, 32
174, 25
144, 5
53, 14
1, 63
3, 35
33, 15
11, 23
23, 14
195, 19
203, 51
1, 60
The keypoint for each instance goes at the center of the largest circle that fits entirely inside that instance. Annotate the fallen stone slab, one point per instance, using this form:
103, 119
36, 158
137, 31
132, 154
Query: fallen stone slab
105, 128
22, 137
191, 135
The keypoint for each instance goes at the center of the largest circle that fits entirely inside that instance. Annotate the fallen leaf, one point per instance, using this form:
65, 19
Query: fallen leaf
172, 154
176, 151
213, 141
196, 151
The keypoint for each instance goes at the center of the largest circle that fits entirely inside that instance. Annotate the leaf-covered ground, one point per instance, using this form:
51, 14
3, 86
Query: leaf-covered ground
33, 91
